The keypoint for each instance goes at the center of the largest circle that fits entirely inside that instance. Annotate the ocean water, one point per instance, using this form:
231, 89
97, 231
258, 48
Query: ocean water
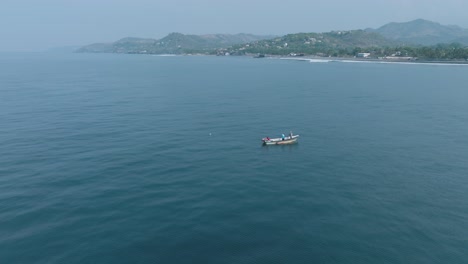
153, 159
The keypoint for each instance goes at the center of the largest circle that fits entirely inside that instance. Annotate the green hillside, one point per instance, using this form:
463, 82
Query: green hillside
332, 43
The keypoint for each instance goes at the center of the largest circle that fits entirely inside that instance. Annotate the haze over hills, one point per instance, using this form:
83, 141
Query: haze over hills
175, 43
423, 32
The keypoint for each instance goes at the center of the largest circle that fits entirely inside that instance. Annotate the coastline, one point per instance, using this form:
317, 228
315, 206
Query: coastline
370, 60
319, 59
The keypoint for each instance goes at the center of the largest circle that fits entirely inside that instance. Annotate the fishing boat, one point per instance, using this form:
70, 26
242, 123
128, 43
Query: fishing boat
280, 141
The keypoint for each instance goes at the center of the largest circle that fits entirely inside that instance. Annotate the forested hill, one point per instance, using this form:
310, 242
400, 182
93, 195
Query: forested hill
316, 43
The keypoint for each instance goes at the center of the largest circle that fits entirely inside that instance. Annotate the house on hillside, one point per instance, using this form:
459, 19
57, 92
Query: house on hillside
363, 55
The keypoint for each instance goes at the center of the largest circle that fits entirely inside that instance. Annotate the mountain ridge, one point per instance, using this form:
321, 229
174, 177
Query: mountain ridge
413, 39
423, 32
176, 43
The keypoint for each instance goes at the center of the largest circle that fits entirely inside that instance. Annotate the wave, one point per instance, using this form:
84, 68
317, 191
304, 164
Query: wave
377, 62
165, 55
306, 59
406, 63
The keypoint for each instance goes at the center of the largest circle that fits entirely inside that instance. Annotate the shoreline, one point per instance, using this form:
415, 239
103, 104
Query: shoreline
370, 60
321, 59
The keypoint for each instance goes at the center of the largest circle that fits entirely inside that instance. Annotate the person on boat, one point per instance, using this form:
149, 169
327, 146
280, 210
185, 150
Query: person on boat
290, 134
267, 138
282, 136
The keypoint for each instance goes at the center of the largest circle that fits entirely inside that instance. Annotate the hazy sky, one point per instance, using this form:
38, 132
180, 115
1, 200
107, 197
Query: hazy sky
29, 25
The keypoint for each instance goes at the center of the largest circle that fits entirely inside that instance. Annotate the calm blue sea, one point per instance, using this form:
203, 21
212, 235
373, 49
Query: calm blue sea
153, 159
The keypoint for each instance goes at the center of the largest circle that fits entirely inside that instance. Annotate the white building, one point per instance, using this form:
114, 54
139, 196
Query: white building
363, 55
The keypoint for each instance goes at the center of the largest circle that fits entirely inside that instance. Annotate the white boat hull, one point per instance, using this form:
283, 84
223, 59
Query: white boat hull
280, 141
